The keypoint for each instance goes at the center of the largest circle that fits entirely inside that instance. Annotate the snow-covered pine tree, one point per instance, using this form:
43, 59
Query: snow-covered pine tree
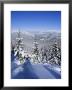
55, 54
36, 51
44, 55
19, 47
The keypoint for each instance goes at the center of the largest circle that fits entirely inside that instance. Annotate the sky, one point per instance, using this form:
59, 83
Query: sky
35, 20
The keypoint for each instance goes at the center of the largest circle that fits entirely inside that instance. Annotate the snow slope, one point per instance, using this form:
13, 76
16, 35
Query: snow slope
34, 71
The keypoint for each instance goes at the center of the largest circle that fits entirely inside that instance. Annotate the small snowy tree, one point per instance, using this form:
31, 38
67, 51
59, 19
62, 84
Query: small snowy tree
36, 52
44, 55
55, 55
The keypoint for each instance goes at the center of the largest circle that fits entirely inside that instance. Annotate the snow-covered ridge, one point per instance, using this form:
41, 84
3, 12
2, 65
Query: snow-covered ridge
38, 33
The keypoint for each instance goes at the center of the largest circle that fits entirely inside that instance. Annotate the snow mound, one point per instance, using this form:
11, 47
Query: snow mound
17, 70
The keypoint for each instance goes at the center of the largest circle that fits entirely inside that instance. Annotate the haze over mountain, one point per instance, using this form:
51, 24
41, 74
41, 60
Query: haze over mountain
44, 39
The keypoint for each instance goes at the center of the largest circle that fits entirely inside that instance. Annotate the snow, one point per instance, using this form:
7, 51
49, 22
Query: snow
57, 69
40, 62
42, 73
17, 70
29, 70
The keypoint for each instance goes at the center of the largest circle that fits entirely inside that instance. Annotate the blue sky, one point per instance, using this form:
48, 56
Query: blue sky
36, 20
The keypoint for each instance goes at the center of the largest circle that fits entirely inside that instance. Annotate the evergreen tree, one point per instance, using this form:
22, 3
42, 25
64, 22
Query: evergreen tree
55, 55
36, 52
